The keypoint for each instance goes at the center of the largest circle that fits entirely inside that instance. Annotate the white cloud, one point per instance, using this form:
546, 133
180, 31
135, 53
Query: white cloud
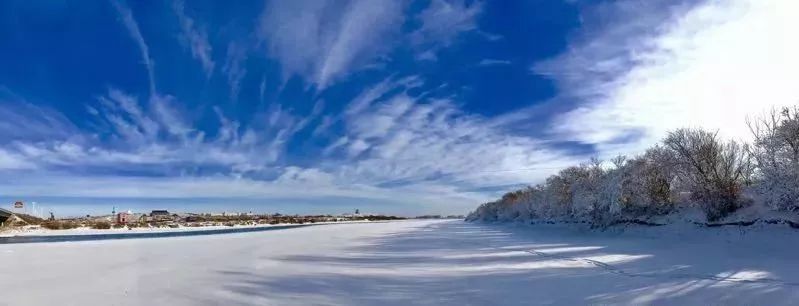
493, 62
139, 137
128, 118
427, 55
294, 185
130, 24
326, 40
657, 68
13, 161
195, 37
234, 67
660, 68
165, 111
441, 23
356, 147
22, 120
396, 149
387, 145
262, 90
418, 141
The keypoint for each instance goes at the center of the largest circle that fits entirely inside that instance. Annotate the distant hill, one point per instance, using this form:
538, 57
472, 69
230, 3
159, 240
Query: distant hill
29, 219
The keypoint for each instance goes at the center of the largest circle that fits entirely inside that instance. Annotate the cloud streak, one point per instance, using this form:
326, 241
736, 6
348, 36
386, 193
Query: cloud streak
156, 139
395, 138
126, 17
493, 62
234, 67
443, 20
195, 37
324, 41
395, 147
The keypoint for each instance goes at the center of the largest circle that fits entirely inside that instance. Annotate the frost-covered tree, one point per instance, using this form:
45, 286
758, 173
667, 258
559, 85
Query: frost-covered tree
690, 167
486, 212
596, 192
646, 183
713, 170
776, 152
511, 206
558, 195
583, 188
609, 194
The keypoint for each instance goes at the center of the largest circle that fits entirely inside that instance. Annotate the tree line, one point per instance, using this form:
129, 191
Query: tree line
690, 167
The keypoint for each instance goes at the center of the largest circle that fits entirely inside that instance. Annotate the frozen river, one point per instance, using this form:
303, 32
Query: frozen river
410, 262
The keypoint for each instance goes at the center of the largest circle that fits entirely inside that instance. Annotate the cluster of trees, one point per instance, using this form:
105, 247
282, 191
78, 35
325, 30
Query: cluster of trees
690, 167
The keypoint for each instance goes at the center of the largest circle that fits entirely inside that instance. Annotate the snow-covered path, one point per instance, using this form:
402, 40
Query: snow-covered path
413, 262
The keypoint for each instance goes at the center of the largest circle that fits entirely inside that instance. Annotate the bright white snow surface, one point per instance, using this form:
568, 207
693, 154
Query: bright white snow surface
412, 262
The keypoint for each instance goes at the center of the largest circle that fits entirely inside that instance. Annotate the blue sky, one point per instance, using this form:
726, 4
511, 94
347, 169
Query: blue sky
401, 107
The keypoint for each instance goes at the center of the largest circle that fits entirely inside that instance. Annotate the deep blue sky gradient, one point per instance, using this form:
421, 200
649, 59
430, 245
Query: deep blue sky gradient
67, 66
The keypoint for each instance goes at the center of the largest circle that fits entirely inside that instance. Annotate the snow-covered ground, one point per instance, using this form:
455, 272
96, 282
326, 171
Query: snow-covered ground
412, 262
39, 231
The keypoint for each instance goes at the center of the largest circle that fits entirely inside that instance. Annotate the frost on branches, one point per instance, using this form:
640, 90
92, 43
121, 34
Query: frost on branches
776, 152
690, 168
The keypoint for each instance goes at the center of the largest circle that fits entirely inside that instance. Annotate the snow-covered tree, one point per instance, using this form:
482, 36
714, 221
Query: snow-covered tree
776, 152
647, 183
713, 170
690, 167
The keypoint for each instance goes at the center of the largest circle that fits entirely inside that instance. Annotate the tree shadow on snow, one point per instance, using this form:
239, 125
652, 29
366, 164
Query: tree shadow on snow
471, 264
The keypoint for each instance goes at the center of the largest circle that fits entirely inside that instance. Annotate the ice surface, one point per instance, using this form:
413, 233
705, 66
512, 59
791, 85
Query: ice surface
412, 262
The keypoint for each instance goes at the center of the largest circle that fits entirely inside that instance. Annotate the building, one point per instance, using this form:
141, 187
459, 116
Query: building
123, 217
159, 213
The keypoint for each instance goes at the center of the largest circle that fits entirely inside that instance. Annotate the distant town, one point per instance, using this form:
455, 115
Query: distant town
10, 220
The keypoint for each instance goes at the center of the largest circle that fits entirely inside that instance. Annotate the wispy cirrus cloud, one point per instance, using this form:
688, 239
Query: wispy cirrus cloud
395, 138
395, 147
234, 67
443, 20
380, 141
24, 120
126, 17
154, 137
325, 40
493, 62
441, 24
174, 161
195, 37
665, 65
